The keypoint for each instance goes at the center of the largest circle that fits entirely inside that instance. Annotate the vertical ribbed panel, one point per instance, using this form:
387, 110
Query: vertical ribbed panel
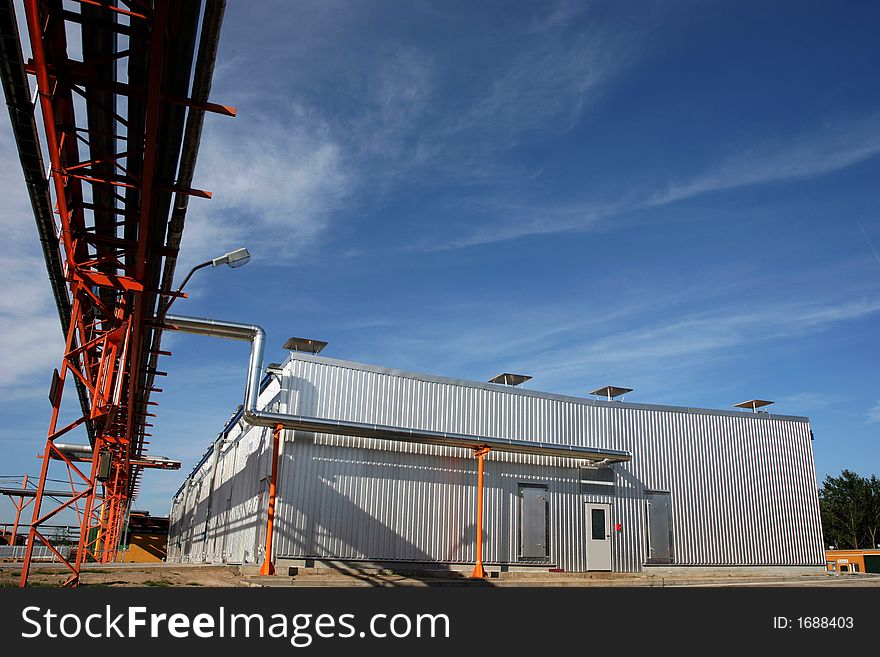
231, 532
742, 485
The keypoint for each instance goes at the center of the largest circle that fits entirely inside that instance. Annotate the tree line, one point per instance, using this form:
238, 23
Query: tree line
850, 506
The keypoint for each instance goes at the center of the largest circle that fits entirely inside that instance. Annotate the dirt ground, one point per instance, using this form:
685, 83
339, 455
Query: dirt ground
180, 575
128, 575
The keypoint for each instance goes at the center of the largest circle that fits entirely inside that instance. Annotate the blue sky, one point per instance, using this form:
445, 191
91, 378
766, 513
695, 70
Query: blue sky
677, 197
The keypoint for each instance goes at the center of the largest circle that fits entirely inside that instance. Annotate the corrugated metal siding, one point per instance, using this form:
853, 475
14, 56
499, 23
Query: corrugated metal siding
230, 533
742, 485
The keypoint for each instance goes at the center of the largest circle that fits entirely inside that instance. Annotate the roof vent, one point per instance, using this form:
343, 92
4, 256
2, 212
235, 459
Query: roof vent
508, 379
754, 404
305, 345
610, 392
275, 368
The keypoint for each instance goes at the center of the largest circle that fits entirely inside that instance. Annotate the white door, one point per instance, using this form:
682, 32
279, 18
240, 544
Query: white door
598, 536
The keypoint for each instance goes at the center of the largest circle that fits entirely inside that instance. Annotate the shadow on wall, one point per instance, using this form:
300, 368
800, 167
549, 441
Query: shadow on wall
212, 514
321, 519
328, 519
206, 528
342, 522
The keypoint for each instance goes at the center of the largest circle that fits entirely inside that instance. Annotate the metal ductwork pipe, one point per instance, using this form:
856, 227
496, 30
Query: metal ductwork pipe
76, 449
252, 415
231, 331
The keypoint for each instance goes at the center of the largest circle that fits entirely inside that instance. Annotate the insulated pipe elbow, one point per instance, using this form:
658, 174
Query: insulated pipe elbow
233, 331
251, 416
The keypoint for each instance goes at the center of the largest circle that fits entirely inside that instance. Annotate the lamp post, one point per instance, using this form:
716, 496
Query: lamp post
234, 259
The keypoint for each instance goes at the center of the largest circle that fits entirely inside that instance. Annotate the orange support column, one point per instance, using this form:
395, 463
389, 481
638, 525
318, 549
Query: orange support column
18, 507
480, 453
268, 567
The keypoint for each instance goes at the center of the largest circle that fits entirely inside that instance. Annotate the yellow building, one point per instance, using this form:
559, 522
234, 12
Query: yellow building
147, 538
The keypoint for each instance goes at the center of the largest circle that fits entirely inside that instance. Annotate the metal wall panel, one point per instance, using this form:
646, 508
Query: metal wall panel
229, 488
742, 485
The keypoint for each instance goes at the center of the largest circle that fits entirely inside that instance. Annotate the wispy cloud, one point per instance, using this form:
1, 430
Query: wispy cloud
651, 336
649, 340
810, 402
546, 86
868, 240
700, 335
828, 149
394, 100
874, 412
418, 122
285, 170
559, 16
809, 155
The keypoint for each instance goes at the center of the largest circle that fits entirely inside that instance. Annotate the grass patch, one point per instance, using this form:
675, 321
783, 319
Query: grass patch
156, 582
31, 585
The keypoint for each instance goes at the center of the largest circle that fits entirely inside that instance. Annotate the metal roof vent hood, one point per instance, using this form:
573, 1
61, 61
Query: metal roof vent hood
754, 404
610, 392
508, 379
305, 345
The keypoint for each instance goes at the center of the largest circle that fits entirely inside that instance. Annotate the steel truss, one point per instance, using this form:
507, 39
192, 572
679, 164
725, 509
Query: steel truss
118, 154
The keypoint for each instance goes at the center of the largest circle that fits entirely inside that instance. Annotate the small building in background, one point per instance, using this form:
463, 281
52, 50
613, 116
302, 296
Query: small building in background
147, 538
852, 561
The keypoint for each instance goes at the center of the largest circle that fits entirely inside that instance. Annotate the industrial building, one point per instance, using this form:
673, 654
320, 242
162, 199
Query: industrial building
608, 485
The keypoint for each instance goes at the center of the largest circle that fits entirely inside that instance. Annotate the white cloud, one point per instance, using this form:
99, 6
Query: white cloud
561, 15
275, 183
697, 336
828, 149
868, 240
547, 85
806, 403
31, 341
874, 412
803, 156
552, 74
558, 344
396, 96
283, 178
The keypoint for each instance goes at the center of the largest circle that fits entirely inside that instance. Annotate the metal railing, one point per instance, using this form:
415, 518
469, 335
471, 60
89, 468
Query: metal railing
41, 552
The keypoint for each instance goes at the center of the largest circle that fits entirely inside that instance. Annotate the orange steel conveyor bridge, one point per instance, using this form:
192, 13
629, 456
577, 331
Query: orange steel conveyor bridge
121, 88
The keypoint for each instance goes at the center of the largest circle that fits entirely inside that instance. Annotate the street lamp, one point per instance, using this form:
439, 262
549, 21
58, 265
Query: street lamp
234, 259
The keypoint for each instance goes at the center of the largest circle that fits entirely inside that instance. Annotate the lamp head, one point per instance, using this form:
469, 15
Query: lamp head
237, 258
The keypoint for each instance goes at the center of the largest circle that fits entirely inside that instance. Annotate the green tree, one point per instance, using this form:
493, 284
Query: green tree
849, 507
872, 522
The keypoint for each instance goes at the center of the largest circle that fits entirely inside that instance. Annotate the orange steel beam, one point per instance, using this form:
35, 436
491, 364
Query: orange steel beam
111, 268
268, 567
33, 534
103, 340
18, 508
56, 106
480, 453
